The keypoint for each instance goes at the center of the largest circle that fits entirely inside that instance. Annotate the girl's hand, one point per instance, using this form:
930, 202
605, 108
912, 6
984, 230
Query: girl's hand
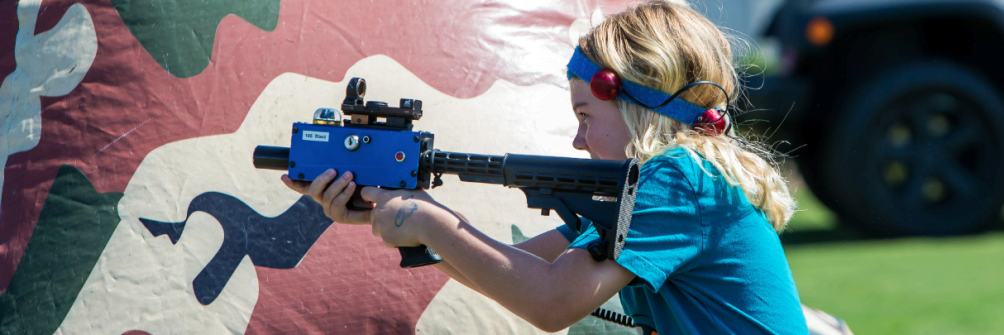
333, 198
401, 217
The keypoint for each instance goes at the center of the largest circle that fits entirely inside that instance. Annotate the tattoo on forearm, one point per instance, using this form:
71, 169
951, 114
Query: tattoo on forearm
406, 211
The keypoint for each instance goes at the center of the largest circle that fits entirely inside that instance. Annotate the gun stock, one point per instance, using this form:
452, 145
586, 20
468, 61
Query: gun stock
599, 190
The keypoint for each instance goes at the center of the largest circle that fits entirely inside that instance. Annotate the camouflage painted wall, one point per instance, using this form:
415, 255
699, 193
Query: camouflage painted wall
128, 128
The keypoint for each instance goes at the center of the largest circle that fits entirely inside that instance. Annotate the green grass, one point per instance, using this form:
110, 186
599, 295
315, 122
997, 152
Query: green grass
906, 286
896, 286
811, 214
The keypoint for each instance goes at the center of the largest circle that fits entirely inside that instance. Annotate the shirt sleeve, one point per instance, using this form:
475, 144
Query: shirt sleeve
665, 232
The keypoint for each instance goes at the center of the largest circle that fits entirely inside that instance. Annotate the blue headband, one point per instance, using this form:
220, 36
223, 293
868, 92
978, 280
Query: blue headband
678, 109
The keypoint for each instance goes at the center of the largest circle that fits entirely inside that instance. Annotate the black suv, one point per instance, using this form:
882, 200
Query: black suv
899, 104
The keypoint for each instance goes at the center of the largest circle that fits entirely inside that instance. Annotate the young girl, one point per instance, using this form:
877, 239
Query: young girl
702, 253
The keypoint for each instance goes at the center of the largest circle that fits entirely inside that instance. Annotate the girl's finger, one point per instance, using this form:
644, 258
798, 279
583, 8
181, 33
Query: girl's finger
289, 182
295, 185
336, 188
316, 189
372, 194
343, 198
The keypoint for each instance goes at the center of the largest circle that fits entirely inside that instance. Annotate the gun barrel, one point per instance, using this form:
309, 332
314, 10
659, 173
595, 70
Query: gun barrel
598, 177
272, 158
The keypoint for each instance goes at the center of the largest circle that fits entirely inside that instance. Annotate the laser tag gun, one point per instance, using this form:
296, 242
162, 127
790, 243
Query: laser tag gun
376, 142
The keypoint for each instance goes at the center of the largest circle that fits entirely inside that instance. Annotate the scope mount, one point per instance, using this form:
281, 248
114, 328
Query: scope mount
377, 114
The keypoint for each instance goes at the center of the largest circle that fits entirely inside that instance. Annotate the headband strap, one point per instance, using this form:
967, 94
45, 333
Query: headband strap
677, 109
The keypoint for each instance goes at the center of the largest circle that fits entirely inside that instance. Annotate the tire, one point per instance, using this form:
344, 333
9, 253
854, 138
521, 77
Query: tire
918, 150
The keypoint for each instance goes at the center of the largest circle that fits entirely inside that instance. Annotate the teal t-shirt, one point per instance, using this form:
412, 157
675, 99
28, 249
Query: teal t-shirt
706, 260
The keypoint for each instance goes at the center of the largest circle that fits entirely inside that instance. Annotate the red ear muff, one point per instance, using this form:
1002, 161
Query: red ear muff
711, 123
605, 84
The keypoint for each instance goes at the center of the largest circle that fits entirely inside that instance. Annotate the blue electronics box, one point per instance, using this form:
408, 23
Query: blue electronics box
377, 157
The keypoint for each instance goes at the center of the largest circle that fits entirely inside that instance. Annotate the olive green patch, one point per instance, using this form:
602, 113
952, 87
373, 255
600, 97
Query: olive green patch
595, 326
73, 228
179, 34
517, 235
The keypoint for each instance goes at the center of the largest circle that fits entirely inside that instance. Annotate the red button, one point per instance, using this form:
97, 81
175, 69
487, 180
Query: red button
399, 156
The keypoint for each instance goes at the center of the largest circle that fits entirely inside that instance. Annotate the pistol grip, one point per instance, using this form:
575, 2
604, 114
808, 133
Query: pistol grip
413, 257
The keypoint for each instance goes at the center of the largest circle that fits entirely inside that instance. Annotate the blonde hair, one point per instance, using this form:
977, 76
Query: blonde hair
667, 45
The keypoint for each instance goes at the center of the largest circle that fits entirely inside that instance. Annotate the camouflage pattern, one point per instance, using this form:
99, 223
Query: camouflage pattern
127, 185
129, 204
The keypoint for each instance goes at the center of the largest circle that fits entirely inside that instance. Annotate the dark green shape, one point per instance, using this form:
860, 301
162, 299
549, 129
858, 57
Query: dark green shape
179, 34
72, 230
517, 235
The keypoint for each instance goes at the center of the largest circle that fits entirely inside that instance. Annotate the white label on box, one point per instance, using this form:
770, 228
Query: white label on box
316, 136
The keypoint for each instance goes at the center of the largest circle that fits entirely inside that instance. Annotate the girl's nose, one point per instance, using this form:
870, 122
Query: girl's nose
579, 143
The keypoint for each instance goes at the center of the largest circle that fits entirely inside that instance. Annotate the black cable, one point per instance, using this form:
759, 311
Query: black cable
611, 316
684, 89
768, 155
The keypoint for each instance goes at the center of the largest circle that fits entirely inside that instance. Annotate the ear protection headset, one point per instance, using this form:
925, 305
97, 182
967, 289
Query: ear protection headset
606, 85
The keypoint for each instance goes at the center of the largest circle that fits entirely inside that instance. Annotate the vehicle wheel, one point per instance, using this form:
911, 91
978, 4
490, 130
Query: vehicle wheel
919, 150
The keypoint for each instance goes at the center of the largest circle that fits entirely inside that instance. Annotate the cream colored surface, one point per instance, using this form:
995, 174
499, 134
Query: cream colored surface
144, 282
50, 64
460, 310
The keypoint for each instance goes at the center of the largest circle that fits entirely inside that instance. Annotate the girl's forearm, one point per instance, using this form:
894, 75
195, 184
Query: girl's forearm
547, 245
449, 270
521, 282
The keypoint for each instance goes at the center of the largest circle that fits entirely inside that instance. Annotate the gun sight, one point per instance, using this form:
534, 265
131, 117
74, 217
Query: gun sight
377, 114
